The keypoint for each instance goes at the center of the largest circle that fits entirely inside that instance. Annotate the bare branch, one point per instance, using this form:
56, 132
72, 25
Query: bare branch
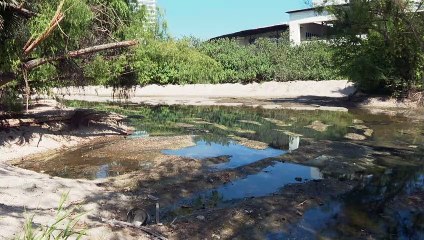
78, 53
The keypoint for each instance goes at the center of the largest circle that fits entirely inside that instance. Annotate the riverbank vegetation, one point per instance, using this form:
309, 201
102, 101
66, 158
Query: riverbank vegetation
47, 44
379, 44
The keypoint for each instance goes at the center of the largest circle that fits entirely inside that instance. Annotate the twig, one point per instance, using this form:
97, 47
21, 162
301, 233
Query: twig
115, 223
300, 204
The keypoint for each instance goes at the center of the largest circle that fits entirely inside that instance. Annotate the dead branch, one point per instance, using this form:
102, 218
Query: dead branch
29, 65
57, 18
20, 10
116, 223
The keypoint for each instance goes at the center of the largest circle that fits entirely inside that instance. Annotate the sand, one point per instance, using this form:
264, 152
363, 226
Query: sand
264, 94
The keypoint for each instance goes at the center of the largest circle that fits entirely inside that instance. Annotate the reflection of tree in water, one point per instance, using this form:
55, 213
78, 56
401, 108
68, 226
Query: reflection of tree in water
371, 208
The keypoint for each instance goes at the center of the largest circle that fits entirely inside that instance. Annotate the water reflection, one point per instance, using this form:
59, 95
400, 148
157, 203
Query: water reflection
270, 180
239, 155
293, 142
379, 207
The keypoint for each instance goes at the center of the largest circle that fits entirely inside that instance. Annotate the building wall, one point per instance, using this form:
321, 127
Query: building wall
151, 9
309, 21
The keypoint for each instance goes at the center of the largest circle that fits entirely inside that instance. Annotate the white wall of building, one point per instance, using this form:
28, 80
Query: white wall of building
304, 22
151, 9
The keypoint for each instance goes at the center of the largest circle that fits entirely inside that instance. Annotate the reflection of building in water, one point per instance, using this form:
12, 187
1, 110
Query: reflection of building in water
316, 173
294, 141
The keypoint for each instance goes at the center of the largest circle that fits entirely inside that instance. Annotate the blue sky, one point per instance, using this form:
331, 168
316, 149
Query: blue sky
210, 18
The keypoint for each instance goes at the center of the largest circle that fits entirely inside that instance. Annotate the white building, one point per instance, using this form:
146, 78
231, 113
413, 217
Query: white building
151, 9
308, 23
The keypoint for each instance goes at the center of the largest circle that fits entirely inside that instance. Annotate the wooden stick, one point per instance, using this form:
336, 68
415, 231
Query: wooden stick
116, 223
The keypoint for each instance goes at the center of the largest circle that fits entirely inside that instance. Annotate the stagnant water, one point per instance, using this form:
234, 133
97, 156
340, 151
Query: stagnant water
396, 144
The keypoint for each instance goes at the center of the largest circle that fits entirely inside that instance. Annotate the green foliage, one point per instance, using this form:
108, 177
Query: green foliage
272, 59
62, 228
174, 62
242, 63
379, 44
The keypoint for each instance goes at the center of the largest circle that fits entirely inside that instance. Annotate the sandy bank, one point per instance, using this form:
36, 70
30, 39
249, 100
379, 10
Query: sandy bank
26, 193
293, 95
339, 88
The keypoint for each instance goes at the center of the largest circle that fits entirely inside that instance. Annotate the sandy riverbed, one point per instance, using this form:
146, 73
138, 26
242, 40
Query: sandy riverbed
333, 95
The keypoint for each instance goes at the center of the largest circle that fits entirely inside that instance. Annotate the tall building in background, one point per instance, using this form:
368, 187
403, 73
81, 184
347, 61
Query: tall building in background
151, 9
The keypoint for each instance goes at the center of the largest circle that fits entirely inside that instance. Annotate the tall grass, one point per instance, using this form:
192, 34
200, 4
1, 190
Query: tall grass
62, 228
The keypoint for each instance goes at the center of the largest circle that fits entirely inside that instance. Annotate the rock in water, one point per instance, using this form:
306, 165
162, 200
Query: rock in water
354, 136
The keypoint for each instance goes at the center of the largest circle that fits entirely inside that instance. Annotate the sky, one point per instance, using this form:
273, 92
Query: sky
206, 19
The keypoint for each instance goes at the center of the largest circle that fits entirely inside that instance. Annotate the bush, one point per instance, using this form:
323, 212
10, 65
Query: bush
174, 62
273, 59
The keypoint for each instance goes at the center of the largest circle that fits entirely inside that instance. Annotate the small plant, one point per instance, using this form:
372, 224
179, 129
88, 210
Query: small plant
62, 228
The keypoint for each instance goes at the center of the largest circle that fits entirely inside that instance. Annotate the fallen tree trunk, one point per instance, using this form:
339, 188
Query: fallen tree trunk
20, 10
29, 65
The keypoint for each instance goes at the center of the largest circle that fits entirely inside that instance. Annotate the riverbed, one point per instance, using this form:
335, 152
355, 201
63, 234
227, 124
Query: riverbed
254, 173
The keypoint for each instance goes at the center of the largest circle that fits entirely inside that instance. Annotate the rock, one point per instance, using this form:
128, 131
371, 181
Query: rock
355, 136
201, 218
368, 132
359, 127
299, 179
277, 122
249, 143
357, 121
318, 126
413, 146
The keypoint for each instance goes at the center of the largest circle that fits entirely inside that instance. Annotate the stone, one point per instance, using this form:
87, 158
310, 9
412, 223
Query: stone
299, 179
318, 126
368, 132
355, 136
357, 121
201, 218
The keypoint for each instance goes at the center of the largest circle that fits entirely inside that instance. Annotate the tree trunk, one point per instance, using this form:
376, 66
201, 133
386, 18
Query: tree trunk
78, 53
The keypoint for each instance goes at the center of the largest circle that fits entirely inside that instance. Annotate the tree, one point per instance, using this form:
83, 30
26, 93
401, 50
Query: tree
380, 44
40, 40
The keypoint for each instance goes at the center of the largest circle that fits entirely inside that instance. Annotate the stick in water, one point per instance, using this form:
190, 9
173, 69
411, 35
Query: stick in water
157, 213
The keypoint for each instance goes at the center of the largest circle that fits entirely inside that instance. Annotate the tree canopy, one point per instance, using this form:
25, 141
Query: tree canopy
380, 44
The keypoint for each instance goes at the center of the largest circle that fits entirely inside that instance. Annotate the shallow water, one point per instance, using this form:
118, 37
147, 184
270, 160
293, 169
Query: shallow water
396, 144
239, 155
268, 181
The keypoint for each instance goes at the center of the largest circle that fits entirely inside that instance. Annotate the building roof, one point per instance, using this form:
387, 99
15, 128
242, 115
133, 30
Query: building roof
255, 31
302, 10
